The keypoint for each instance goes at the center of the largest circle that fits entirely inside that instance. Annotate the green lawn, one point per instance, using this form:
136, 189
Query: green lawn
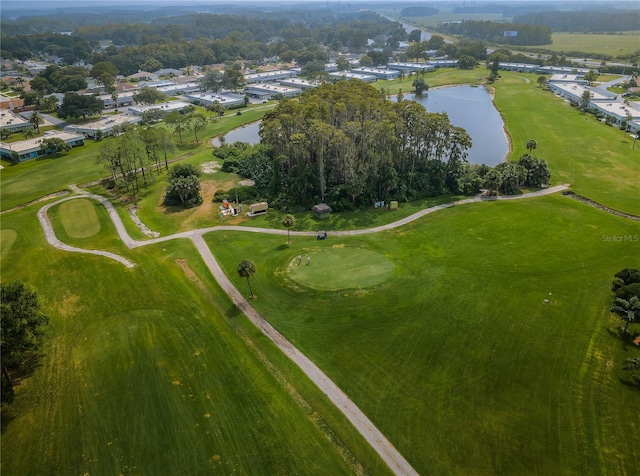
446, 343
33, 179
152, 370
490, 350
597, 160
609, 45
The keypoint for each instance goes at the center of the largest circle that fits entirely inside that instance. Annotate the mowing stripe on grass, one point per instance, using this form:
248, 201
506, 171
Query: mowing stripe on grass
7, 239
79, 218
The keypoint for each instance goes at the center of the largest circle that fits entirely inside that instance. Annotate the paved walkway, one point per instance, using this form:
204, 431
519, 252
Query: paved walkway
398, 464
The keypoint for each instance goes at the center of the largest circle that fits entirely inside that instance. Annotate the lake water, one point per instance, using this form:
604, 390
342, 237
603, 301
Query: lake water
468, 107
472, 109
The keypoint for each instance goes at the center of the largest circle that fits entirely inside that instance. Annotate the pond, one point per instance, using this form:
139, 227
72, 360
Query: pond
472, 109
468, 107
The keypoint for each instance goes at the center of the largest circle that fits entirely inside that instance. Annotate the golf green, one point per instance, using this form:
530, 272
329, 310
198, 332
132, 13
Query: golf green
336, 268
79, 218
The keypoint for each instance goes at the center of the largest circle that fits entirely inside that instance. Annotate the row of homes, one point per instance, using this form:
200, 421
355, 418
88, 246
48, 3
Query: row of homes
571, 88
33, 148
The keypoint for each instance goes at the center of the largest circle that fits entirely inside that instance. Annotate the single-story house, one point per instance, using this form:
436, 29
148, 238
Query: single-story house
30, 148
103, 126
411, 67
13, 122
380, 73
338, 76
228, 100
165, 107
270, 91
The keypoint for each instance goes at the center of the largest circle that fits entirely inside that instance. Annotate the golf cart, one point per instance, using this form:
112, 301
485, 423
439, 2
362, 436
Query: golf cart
321, 235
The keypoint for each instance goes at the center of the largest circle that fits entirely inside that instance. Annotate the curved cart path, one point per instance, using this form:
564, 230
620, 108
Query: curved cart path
392, 457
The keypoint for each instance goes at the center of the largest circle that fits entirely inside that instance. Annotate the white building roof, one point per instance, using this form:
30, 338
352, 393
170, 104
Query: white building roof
166, 107
269, 76
299, 83
104, 124
11, 121
210, 97
274, 88
24, 146
577, 90
367, 78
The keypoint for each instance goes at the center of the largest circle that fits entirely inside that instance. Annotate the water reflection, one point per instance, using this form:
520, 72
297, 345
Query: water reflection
468, 107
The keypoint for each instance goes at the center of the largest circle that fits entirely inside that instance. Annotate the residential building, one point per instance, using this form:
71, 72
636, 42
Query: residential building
270, 91
411, 67
228, 100
30, 148
367, 78
13, 122
104, 126
380, 73
269, 76
165, 107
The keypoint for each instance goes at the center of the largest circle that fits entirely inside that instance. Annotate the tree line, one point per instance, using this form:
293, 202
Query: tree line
494, 32
586, 21
348, 146
208, 39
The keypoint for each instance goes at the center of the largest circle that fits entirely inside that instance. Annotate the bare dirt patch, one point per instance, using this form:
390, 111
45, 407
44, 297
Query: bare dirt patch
210, 167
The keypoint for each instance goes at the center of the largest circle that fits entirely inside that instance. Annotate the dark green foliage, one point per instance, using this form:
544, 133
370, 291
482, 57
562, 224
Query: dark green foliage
420, 85
467, 62
626, 283
184, 187
345, 141
78, 105
494, 31
54, 145
22, 326
627, 291
418, 11
148, 95
512, 177
584, 21
538, 173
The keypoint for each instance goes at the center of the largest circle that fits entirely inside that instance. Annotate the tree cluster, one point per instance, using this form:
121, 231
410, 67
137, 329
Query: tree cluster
22, 325
184, 187
626, 305
134, 157
494, 32
347, 145
80, 105
586, 21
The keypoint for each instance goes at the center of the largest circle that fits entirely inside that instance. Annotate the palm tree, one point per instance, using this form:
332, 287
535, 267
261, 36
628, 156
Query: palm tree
36, 119
289, 221
246, 269
628, 310
632, 364
531, 145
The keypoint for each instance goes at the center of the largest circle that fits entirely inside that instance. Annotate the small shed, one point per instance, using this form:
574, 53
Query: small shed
321, 211
259, 208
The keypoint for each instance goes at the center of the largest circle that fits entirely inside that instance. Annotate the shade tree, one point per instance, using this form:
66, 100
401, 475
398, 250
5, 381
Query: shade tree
22, 327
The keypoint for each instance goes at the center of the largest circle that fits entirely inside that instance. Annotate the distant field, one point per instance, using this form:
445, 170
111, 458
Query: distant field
612, 45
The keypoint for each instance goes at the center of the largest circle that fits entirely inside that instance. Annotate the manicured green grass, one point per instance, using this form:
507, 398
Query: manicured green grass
597, 160
152, 370
79, 218
610, 45
7, 239
33, 179
456, 357
339, 268
492, 351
